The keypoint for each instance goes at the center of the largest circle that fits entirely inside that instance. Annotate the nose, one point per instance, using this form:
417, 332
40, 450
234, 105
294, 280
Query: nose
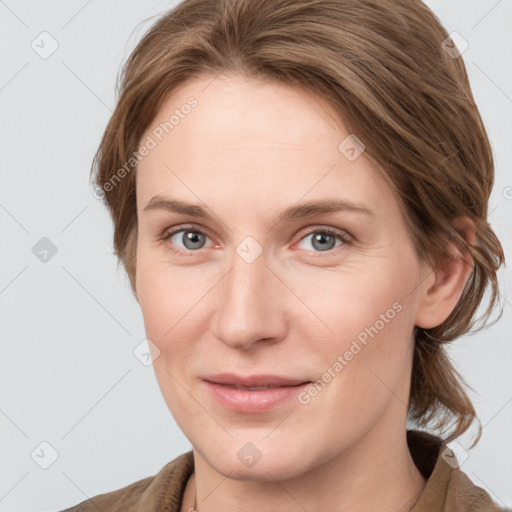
250, 305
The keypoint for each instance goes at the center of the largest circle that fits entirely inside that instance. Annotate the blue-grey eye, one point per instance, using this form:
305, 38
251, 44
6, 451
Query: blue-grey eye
191, 240
322, 240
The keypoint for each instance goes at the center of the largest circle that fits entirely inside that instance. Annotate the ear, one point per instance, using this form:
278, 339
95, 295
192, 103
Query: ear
442, 292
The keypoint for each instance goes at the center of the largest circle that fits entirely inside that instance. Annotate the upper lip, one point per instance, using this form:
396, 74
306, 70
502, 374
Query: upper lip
253, 380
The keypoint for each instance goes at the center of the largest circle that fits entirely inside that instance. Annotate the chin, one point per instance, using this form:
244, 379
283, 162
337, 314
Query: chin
259, 460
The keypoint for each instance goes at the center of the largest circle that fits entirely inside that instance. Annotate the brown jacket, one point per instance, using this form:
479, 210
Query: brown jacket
448, 489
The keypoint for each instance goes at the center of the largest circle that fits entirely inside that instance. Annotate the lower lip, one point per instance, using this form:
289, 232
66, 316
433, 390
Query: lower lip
246, 401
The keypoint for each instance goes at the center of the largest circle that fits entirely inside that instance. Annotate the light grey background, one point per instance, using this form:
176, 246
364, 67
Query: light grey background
70, 325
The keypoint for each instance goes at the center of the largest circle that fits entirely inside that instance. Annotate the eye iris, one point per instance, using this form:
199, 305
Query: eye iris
320, 237
192, 236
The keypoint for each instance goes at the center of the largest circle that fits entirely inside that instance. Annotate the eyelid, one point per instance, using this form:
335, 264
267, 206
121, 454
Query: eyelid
322, 228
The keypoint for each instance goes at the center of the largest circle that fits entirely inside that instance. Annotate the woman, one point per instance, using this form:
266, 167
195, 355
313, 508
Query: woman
299, 192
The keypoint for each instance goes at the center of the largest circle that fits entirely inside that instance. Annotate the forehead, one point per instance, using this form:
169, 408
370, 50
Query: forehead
238, 111
250, 140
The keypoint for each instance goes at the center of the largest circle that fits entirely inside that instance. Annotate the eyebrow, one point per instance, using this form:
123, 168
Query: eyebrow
298, 211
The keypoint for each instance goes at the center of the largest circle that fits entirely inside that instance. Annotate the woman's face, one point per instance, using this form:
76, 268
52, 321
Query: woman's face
243, 289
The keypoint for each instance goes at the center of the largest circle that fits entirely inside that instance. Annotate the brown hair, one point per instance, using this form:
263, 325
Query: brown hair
382, 65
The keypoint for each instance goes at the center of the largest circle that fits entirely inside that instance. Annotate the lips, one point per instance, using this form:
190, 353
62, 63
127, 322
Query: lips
254, 382
253, 394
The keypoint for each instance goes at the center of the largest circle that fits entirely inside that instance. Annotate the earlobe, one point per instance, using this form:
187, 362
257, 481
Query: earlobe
439, 299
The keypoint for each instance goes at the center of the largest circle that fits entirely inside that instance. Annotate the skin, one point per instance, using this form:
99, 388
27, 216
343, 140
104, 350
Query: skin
248, 150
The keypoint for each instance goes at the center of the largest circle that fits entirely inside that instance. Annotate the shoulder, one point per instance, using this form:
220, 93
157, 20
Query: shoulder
464, 495
448, 488
120, 499
166, 486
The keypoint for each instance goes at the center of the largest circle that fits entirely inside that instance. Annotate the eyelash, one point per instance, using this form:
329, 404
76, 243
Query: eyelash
324, 230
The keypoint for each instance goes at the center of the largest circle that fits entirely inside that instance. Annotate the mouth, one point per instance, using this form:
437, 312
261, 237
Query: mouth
253, 388
254, 394
254, 381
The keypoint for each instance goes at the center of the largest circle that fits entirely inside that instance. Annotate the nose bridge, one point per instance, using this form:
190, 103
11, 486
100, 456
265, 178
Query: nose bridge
247, 285
248, 308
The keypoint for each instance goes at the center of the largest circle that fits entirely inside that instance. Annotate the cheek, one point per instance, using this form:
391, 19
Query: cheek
367, 315
367, 341
169, 307
166, 293
354, 296
360, 368
174, 304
